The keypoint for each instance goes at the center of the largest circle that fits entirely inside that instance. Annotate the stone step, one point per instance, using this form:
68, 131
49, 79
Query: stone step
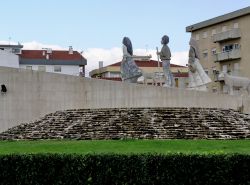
147, 123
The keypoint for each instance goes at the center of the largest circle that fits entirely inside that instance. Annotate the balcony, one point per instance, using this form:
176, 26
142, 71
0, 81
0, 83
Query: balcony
228, 35
227, 55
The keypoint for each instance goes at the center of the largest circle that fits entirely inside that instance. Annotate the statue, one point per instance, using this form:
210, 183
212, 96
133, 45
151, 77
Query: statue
165, 56
129, 70
197, 76
235, 81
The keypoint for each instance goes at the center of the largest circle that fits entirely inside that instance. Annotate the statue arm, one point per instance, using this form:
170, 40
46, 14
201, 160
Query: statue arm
191, 60
165, 52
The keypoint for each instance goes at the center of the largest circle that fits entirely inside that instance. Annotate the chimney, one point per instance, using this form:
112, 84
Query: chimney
71, 50
49, 50
100, 64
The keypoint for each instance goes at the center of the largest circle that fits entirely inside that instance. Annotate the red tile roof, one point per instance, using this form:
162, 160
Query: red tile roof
150, 63
55, 55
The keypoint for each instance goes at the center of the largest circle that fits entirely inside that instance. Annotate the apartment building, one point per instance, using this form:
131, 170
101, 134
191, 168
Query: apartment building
224, 44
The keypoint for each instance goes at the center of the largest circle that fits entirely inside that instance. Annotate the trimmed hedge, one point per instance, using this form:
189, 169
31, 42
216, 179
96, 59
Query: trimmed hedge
172, 169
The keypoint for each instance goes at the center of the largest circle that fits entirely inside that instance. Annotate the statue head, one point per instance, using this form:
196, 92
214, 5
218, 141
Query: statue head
165, 40
126, 41
193, 43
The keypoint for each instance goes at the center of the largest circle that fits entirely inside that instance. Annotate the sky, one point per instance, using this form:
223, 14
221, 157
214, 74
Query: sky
97, 27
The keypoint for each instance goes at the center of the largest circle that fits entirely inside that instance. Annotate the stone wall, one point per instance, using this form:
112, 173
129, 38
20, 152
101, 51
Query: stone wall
33, 94
136, 123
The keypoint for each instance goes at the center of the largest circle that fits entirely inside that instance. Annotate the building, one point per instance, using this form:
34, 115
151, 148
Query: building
65, 62
8, 55
224, 44
148, 66
58, 61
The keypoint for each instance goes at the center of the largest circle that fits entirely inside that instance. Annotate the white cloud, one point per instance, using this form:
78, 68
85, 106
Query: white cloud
108, 56
37, 45
34, 45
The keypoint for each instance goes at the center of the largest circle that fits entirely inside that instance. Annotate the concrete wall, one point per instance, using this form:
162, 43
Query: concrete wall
32, 94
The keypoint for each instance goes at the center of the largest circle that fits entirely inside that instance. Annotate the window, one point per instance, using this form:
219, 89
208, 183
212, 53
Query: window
213, 31
115, 74
224, 68
236, 46
236, 25
29, 67
57, 69
230, 47
236, 66
236, 69
16, 50
41, 68
197, 37
205, 54
224, 28
214, 51
204, 35
227, 48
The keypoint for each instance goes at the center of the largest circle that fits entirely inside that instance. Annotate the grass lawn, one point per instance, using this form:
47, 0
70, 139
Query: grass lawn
126, 146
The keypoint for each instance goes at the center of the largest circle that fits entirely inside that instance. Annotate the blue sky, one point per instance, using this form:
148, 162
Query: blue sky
102, 24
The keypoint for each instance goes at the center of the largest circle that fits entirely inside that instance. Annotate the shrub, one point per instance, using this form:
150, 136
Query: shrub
172, 169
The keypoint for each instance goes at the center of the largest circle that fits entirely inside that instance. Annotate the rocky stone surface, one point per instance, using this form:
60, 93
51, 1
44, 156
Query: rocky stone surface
136, 123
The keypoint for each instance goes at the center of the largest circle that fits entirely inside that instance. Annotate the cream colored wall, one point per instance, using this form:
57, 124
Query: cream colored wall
173, 69
150, 69
244, 26
208, 44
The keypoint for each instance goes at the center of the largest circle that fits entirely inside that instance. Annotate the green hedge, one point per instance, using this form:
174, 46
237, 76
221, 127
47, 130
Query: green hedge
125, 169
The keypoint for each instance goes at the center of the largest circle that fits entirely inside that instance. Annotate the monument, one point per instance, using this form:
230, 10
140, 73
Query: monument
198, 79
129, 70
235, 81
165, 56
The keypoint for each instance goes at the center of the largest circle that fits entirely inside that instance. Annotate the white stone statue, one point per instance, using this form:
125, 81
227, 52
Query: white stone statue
198, 79
165, 56
129, 70
235, 81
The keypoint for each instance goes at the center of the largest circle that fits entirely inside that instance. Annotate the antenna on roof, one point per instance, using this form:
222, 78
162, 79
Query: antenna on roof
9, 40
71, 51
146, 46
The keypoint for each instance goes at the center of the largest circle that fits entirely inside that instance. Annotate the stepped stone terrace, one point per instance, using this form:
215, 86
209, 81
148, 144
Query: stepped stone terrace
135, 123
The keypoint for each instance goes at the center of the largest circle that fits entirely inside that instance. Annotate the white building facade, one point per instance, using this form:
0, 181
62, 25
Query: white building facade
56, 61
8, 55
